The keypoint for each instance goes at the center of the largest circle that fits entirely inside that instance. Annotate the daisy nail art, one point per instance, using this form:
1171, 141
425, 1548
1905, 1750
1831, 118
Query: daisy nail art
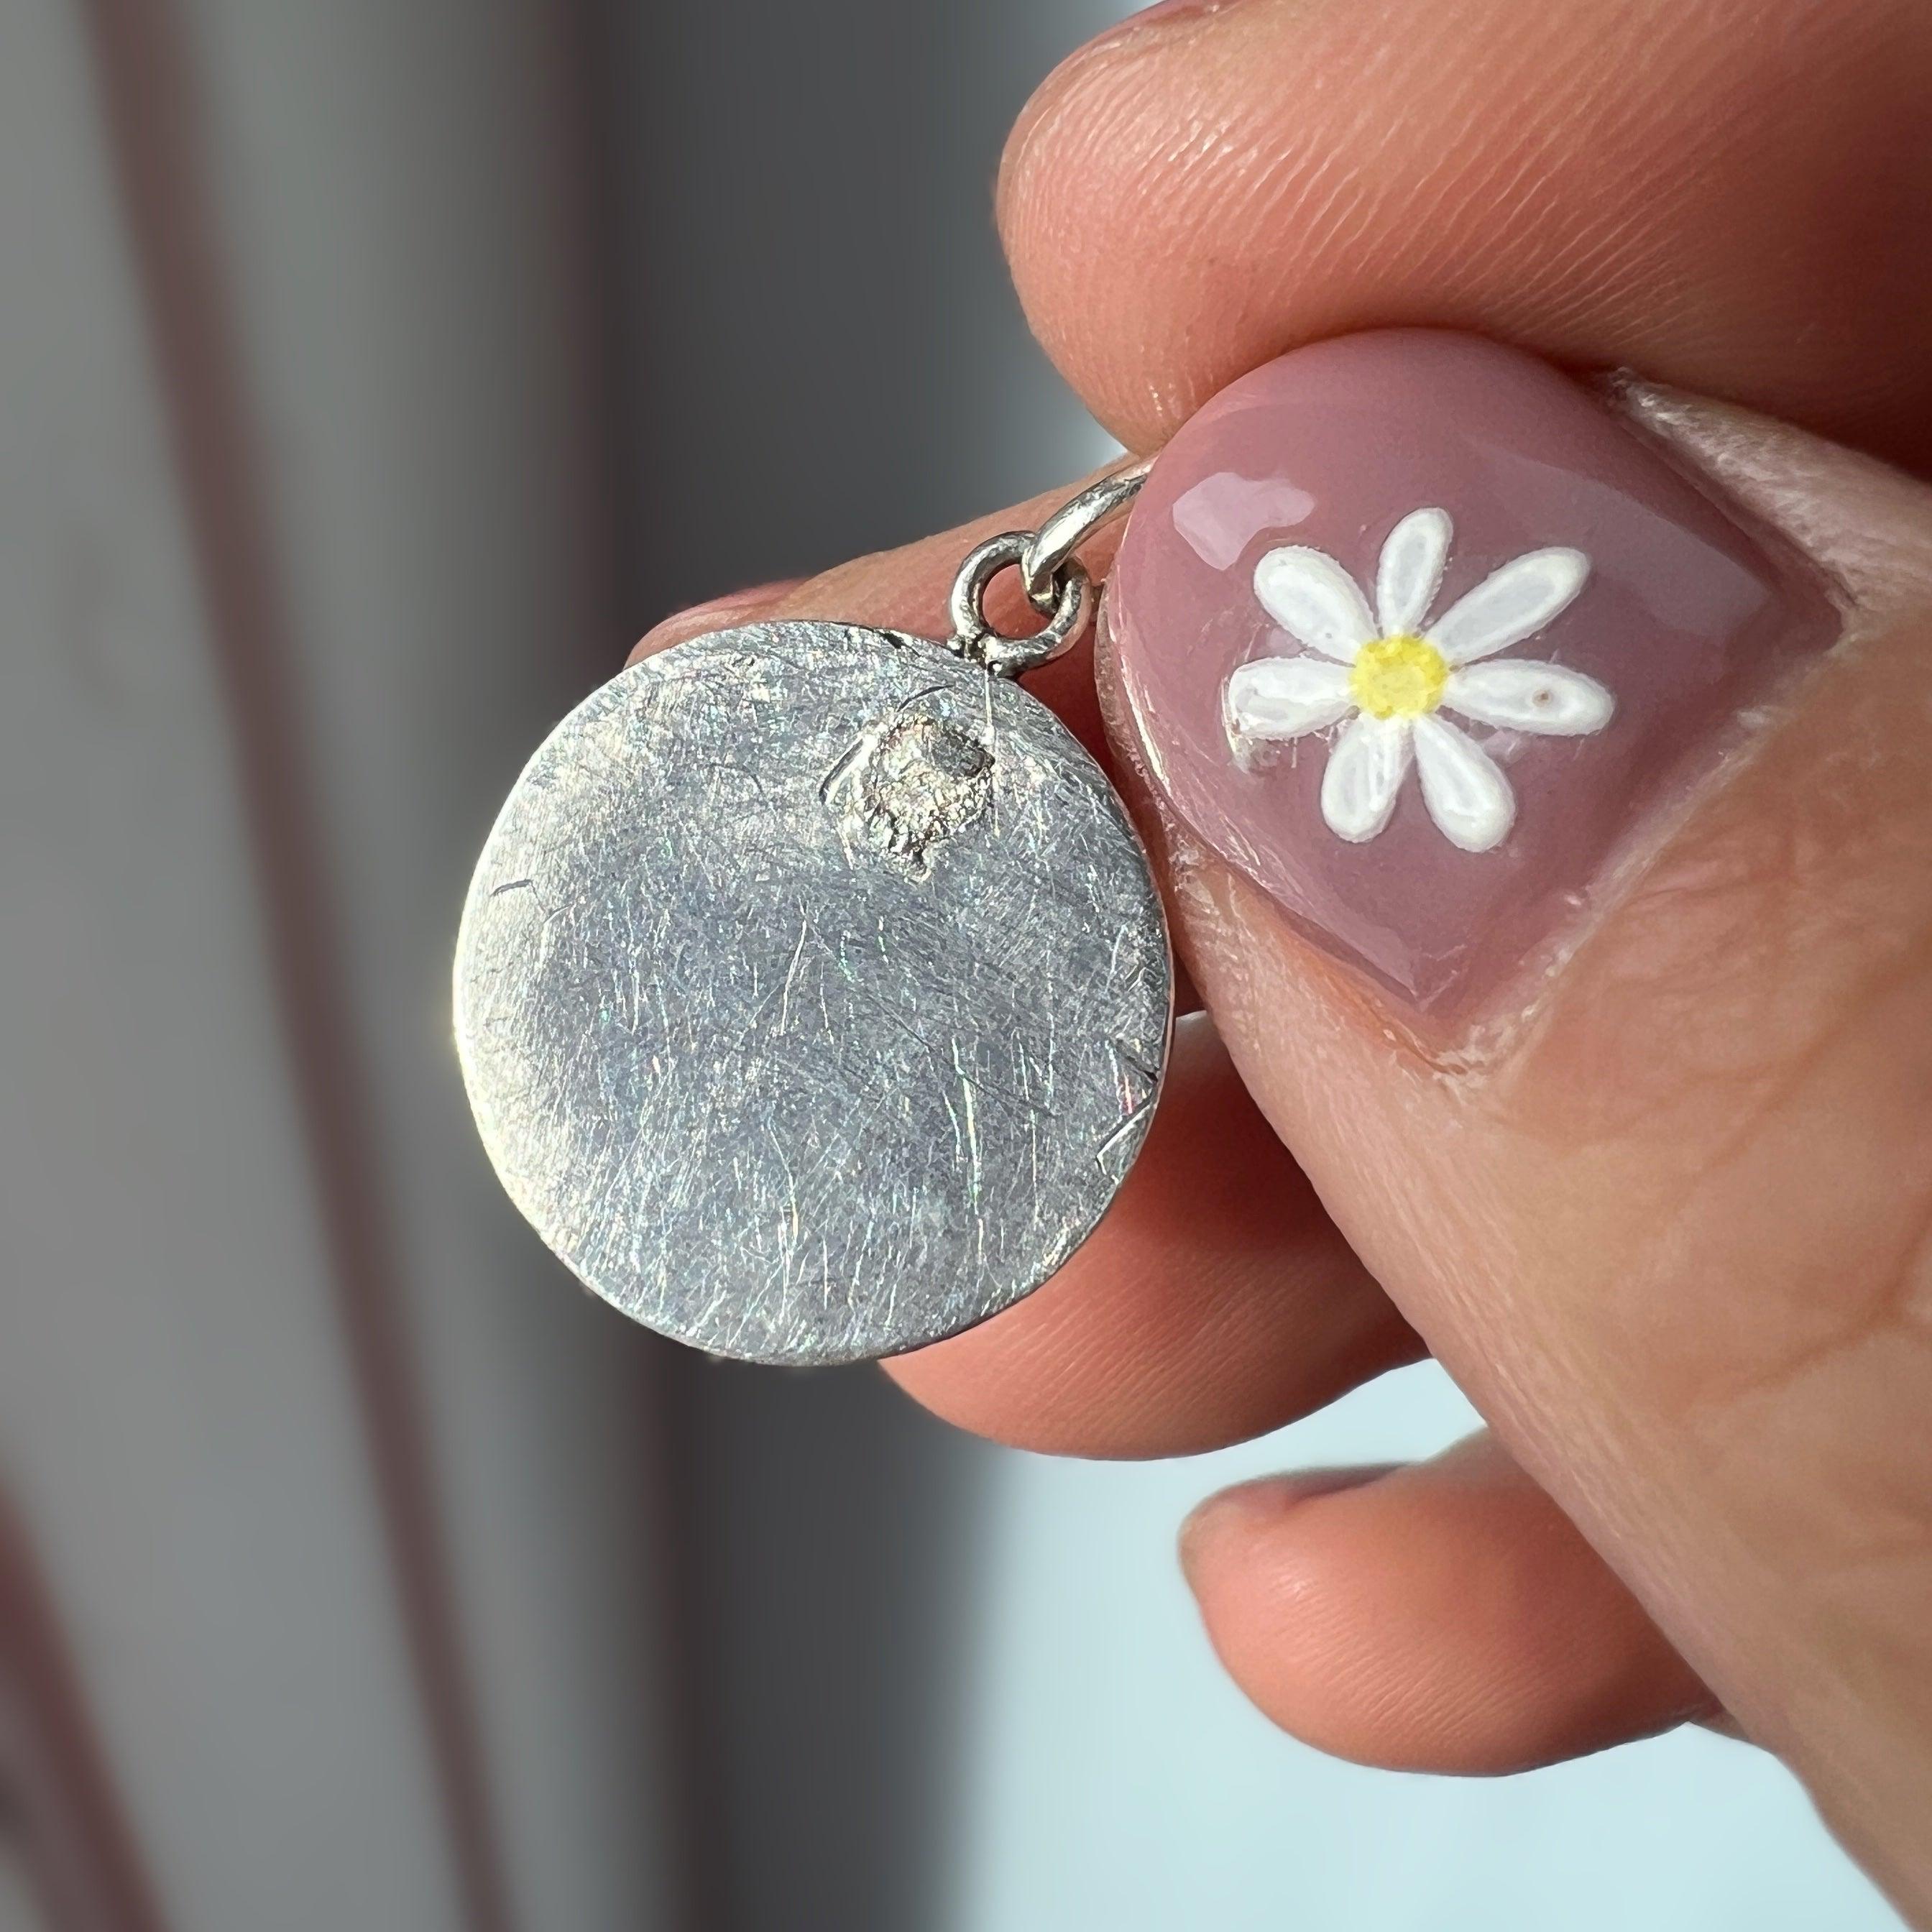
1386, 676
1422, 637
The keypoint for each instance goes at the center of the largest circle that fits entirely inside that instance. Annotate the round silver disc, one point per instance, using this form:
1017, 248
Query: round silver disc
812, 993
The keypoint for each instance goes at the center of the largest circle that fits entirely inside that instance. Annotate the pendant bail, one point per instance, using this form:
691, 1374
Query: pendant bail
1070, 527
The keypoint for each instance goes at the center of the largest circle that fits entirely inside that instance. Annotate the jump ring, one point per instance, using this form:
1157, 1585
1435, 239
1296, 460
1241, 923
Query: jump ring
973, 636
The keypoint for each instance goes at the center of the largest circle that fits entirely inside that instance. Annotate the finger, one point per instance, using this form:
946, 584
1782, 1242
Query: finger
741, 606
1657, 1193
1446, 1617
907, 589
1730, 195
1214, 1302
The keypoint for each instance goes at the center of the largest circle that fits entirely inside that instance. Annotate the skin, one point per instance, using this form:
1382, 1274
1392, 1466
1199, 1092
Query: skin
1669, 1228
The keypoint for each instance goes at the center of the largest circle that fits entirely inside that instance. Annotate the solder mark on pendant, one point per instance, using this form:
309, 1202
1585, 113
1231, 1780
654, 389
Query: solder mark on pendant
907, 784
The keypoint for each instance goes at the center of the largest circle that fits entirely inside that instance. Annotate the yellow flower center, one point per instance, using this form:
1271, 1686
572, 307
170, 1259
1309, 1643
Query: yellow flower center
1398, 677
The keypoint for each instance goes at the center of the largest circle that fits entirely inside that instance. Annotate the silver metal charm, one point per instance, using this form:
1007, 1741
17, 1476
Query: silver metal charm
813, 993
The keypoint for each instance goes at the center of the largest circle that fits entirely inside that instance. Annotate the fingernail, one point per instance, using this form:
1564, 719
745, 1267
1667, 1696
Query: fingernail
1423, 636
1264, 1498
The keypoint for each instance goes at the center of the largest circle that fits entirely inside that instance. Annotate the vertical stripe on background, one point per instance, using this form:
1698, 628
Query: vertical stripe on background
149, 114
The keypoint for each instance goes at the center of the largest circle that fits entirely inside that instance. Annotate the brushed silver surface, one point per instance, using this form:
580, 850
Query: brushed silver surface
812, 993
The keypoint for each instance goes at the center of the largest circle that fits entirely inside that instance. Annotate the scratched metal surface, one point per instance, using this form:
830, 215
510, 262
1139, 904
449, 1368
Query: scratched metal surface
812, 993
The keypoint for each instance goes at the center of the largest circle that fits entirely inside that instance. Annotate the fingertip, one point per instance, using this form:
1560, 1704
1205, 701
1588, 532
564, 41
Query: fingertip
1443, 1618
1188, 196
1255, 1506
1058, 203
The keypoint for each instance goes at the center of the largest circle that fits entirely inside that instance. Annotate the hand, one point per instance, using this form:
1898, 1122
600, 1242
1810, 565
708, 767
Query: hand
1669, 1229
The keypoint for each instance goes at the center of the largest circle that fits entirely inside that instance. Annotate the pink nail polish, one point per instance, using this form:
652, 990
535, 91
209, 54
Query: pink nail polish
1419, 633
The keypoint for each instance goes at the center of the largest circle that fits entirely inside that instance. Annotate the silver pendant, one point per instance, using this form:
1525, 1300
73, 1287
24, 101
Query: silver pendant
813, 993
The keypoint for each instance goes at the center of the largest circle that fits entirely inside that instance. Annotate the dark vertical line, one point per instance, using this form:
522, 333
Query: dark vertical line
591, 63
571, 69
57, 1795
145, 80
693, 1675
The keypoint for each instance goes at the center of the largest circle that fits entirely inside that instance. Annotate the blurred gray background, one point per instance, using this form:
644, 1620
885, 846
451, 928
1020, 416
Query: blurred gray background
373, 372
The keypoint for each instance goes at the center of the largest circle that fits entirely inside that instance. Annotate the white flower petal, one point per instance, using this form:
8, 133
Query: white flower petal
1468, 797
1510, 604
1411, 571
1285, 697
1365, 771
1525, 696
1315, 600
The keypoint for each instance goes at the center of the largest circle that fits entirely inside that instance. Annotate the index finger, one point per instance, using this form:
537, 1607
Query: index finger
1730, 195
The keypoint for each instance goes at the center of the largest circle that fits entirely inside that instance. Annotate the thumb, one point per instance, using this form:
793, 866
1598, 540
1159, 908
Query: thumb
1602, 1025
